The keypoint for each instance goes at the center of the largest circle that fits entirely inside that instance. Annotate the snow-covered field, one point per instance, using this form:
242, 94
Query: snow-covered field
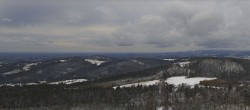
72, 81
178, 80
146, 83
169, 59
28, 66
95, 61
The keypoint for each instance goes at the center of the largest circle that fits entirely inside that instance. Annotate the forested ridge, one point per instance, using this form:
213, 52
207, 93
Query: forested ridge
226, 97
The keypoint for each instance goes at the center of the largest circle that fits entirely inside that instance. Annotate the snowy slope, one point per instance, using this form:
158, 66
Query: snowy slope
28, 66
12, 72
146, 83
72, 81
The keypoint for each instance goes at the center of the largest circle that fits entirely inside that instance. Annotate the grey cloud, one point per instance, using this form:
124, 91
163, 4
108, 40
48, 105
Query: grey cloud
203, 24
219, 43
191, 23
107, 13
179, 24
124, 37
26, 13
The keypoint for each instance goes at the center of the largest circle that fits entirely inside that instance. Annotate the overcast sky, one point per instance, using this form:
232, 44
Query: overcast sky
124, 25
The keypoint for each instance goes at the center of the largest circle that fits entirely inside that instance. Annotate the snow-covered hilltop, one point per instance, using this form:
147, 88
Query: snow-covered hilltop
183, 64
169, 59
95, 61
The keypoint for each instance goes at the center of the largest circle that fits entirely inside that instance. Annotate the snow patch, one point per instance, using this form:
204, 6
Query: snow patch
11, 85
42, 82
146, 83
63, 61
136, 61
72, 81
12, 72
45, 82
95, 61
18, 84
31, 84
169, 59
160, 108
178, 80
182, 64
28, 66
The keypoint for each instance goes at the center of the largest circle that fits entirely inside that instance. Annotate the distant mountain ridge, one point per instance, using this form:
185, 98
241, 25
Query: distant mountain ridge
20, 56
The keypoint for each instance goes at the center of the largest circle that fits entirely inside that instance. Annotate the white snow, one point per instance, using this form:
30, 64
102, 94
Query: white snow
18, 84
160, 108
178, 80
11, 85
95, 61
72, 81
169, 59
136, 61
146, 83
28, 66
15, 71
31, 84
63, 61
44, 82
182, 64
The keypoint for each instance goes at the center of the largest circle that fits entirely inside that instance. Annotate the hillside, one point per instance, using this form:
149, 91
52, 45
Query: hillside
90, 68
98, 82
